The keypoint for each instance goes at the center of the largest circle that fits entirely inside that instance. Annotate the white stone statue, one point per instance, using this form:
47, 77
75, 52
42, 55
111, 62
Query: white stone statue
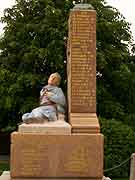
52, 102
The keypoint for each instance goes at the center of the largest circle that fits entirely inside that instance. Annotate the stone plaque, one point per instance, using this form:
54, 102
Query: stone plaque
39, 155
82, 61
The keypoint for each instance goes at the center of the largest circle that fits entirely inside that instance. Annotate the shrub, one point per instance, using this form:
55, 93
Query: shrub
119, 145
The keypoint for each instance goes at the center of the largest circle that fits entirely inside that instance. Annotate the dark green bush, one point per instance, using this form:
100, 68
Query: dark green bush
119, 145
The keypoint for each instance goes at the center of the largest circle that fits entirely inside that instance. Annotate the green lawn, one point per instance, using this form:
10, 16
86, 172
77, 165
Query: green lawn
4, 166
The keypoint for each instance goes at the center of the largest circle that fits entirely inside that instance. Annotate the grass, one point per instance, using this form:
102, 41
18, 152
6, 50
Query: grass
4, 166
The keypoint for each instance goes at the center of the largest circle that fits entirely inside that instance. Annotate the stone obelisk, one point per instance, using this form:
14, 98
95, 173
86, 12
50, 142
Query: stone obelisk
82, 69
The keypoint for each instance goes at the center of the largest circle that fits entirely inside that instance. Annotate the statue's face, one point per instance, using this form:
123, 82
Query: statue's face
53, 79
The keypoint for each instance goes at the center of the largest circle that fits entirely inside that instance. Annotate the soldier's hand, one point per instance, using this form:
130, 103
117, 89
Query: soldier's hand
49, 94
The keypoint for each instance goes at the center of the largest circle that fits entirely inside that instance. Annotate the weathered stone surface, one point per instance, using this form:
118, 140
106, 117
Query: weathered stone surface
84, 123
82, 62
6, 176
39, 155
55, 179
83, 6
53, 128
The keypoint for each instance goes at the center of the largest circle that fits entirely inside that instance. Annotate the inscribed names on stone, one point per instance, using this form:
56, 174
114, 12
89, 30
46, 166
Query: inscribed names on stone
83, 62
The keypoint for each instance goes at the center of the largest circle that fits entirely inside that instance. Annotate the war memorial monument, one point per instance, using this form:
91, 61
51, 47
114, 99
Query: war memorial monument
74, 149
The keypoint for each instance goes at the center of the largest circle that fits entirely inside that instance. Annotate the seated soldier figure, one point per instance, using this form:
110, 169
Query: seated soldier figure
52, 102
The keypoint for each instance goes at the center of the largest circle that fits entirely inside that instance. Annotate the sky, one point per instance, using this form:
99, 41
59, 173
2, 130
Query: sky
5, 4
126, 7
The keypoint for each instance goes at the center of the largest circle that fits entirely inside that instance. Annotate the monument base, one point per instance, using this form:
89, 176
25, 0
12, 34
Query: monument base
42, 156
6, 176
84, 123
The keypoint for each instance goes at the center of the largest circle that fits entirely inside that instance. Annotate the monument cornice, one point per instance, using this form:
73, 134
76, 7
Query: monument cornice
83, 6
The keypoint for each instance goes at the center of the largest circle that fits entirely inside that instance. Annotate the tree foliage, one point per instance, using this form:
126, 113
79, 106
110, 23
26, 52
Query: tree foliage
32, 47
119, 145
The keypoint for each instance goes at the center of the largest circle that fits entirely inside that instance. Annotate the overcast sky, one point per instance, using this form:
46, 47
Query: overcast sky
126, 7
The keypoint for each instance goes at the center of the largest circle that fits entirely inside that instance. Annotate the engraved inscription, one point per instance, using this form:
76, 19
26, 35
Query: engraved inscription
83, 62
32, 158
77, 161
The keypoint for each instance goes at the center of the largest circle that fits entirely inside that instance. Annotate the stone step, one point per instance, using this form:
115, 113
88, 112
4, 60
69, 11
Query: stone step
84, 123
6, 176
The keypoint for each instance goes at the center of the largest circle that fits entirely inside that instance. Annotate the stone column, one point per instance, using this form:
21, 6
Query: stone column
82, 69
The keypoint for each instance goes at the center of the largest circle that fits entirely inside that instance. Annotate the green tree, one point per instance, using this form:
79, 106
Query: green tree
32, 47
113, 58
119, 145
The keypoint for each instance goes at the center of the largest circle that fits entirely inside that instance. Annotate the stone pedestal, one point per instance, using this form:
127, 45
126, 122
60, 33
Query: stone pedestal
53, 128
56, 156
52, 151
